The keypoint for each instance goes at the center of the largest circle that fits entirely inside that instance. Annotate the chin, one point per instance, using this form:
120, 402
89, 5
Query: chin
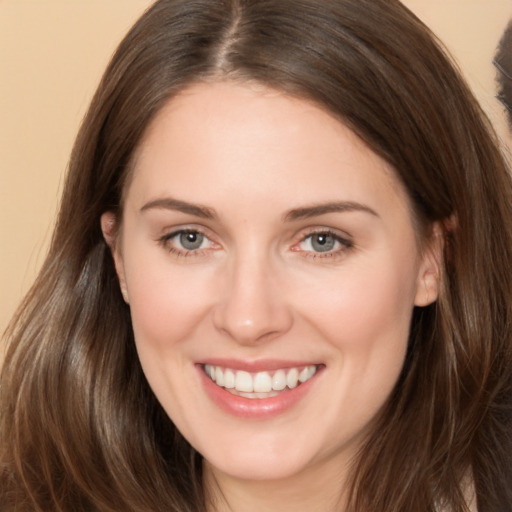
257, 466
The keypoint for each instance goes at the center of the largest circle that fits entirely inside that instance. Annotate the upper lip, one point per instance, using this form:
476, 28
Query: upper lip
260, 365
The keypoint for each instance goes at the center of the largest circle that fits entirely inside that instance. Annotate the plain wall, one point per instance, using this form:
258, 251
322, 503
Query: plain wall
52, 54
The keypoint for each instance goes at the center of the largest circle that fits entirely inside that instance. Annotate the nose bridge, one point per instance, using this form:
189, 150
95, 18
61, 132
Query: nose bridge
252, 306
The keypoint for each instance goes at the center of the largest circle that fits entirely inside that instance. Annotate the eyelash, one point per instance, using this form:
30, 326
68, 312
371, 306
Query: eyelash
344, 243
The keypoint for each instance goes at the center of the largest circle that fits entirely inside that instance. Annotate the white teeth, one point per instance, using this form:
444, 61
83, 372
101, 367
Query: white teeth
292, 378
219, 376
260, 382
307, 373
243, 382
229, 379
279, 380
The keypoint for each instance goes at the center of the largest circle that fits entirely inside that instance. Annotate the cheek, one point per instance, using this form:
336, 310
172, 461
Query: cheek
364, 315
365, 307
167, 302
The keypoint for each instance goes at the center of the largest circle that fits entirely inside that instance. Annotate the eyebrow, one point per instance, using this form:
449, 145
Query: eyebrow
324, 208
306, 212
169, 203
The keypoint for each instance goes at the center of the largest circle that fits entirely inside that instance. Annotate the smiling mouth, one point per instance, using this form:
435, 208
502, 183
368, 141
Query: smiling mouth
260, 384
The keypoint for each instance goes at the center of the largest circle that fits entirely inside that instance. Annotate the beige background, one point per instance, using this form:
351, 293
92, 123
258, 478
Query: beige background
52, 53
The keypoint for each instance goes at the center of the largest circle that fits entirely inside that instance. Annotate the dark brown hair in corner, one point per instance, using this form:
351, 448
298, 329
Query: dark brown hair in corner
503, 63
80, 428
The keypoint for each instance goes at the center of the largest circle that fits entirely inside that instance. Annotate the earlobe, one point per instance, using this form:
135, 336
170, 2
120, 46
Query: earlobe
429, 276
109, 228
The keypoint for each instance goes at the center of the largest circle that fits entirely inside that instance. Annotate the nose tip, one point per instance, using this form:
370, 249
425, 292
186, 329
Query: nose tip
248, 331
252, 308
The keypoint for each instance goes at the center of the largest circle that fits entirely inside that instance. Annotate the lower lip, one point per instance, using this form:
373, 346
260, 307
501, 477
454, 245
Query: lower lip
255, 408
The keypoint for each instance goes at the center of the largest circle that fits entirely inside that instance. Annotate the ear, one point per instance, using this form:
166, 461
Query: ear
109, 227
429, 275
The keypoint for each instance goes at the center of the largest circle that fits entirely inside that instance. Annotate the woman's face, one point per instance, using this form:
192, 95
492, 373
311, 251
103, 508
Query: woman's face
265, 247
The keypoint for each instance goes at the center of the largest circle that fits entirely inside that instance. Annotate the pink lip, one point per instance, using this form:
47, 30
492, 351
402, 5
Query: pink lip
254, 408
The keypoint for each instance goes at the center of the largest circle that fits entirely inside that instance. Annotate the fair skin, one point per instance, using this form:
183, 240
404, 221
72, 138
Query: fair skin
261, 236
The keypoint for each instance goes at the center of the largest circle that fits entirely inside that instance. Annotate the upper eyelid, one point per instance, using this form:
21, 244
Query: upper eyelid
345, 242
186, 228
337, 233
169, 234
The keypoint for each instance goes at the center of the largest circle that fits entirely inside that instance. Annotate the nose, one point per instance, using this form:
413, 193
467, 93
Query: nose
252, 306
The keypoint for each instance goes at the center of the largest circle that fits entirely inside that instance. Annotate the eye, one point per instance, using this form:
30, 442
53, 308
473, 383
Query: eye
321, 242
190, 240
324, 242
186, 241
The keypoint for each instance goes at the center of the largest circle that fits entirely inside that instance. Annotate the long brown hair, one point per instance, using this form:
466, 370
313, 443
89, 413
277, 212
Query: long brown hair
80, 428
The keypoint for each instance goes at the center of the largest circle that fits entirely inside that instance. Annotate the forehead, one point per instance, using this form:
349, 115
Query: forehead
258, 143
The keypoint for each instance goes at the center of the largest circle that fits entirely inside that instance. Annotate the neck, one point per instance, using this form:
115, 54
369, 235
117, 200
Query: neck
319, 488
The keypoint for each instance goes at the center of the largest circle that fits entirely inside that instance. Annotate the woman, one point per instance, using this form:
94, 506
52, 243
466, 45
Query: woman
279, 278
